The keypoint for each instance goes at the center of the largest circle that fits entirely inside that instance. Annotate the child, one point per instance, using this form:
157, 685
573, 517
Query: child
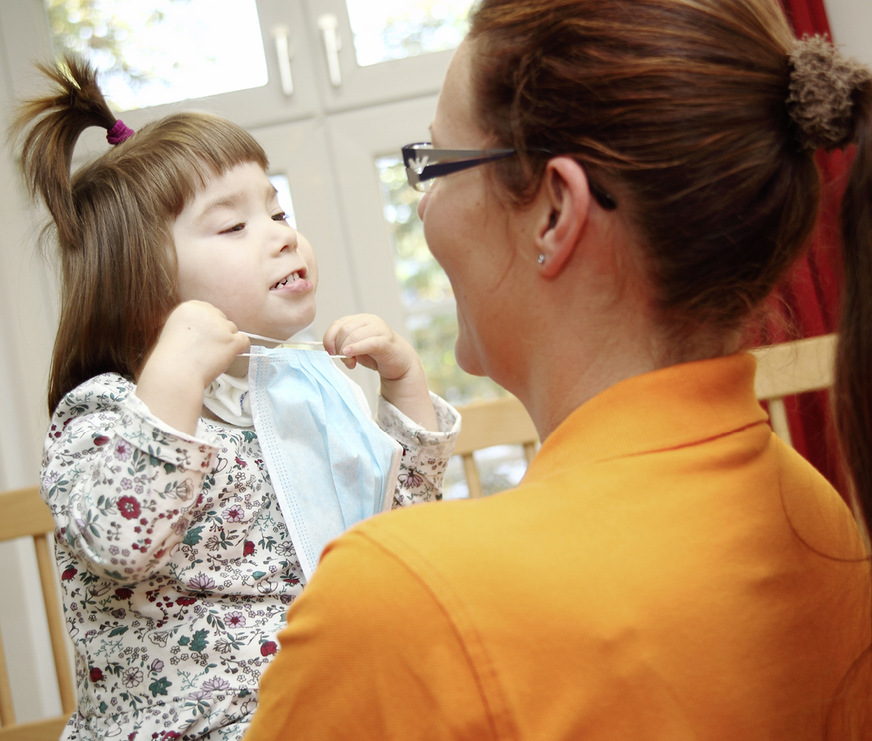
176, 562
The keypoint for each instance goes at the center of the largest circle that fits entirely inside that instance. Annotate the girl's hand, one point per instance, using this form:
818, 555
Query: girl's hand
197, 344
368, 340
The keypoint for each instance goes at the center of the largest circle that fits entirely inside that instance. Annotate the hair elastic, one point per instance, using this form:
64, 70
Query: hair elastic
823, 89
119, 132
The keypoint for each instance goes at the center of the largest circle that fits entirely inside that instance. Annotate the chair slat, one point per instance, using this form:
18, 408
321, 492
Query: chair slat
41, 730
778, 420
473, 480
56, 629
486, 424
7, 711
24, 514
502, 421
795, 367
792, 368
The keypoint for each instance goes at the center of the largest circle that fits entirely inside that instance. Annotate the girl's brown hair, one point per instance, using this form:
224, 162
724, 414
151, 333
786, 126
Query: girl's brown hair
679, 108
114, 216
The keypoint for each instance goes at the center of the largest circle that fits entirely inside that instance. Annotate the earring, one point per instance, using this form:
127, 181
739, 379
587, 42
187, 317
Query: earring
541, 259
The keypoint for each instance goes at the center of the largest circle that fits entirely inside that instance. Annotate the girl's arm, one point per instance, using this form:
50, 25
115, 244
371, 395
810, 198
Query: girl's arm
425, 453
195, 346
122, 486
368, 340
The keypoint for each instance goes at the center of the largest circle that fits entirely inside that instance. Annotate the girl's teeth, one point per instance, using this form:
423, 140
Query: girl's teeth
290, 279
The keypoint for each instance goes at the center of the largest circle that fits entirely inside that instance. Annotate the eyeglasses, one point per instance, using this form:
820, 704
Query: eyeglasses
424, 163
421, 173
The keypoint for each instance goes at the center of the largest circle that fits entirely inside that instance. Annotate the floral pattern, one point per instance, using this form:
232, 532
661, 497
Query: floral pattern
176, 566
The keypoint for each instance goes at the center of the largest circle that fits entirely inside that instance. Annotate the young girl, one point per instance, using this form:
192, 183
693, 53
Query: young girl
176, 563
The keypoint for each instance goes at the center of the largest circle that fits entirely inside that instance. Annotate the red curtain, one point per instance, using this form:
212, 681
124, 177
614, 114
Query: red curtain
807, 304
807, 16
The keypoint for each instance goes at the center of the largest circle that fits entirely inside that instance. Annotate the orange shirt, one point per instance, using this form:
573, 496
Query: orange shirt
657, 575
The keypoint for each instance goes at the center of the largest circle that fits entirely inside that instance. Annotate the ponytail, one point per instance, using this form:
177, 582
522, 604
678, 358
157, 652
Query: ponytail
47, 150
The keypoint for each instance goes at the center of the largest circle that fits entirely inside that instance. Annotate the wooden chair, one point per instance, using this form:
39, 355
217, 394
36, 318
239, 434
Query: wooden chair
24, 514
485, 424
793, 368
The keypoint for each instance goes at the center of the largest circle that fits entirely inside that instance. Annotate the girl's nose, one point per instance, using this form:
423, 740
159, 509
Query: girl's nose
289, 238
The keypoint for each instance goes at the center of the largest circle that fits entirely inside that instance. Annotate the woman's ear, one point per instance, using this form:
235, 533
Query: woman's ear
563, 206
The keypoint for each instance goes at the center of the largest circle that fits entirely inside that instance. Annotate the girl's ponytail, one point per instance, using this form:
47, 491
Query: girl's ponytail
54, 124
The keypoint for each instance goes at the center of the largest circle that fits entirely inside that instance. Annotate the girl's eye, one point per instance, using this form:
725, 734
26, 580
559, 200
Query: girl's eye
235, 228
281, 216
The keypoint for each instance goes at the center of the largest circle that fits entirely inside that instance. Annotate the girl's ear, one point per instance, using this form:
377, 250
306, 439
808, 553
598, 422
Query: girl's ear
564, 209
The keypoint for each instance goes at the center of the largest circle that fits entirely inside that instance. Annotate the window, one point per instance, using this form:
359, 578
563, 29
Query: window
396, 29
144, 53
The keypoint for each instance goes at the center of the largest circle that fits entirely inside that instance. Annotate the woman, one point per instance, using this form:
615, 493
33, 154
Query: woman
639, 175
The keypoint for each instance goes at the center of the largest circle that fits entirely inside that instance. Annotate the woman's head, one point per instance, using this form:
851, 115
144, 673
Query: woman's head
114, 218
676, 107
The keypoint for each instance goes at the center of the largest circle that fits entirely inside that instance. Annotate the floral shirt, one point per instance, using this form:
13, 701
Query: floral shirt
176, 565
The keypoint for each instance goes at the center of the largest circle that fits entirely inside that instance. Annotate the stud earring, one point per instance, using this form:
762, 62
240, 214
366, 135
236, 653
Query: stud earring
541, 259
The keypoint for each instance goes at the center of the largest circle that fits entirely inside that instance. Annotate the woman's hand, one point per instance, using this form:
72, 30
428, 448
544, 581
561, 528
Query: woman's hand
368, 340
197, 344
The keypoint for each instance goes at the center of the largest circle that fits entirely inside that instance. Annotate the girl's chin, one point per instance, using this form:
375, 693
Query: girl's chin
280, 334
286, 331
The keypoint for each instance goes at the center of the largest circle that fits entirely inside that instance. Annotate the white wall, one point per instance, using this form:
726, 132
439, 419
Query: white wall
851, 25
27, 308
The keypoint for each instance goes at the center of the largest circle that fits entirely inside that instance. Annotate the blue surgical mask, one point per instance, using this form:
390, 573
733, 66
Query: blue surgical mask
331, 465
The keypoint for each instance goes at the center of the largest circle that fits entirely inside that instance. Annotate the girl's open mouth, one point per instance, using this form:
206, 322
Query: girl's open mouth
294, 282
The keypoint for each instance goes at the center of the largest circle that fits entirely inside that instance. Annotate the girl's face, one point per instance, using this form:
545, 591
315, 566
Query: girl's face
236, 251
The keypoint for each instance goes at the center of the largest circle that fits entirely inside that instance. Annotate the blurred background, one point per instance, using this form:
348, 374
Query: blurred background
332, 89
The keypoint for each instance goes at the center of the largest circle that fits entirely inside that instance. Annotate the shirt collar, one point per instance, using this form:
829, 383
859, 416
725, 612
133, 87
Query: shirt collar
672, 407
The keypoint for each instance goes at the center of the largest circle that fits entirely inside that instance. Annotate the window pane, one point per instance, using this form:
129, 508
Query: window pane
394, 29
283, 189
163, 51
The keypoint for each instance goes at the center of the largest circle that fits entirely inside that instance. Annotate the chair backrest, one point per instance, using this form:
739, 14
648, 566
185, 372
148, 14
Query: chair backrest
488, 423
793, 368
24, 514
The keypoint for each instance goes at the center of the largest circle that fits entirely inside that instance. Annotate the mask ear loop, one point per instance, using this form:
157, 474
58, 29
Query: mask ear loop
253, 336
293, 345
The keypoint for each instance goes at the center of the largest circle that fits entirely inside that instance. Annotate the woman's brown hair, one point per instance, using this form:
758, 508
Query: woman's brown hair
679, 108
685, 110
113, 217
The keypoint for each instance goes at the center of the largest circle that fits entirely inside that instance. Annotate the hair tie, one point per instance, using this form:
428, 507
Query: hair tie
118, 133
823, 87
